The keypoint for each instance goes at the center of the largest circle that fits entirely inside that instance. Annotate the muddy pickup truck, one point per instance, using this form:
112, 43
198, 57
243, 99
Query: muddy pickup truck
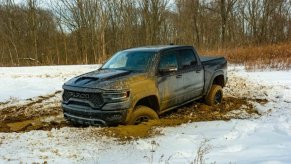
139, 84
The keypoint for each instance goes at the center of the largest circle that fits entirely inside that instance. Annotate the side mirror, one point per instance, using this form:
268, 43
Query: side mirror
167, 70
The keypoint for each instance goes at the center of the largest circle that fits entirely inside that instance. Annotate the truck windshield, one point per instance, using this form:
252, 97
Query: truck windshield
136, 61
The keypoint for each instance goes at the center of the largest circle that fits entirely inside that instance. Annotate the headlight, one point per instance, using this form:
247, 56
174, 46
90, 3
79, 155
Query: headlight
115, 96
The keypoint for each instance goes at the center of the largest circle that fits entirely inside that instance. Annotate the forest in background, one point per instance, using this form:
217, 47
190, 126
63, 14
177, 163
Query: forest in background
53, 32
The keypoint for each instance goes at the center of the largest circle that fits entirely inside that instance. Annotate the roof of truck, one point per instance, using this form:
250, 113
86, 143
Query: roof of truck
155, 48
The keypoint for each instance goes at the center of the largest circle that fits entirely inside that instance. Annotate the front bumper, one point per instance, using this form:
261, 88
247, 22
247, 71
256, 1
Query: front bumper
110, 114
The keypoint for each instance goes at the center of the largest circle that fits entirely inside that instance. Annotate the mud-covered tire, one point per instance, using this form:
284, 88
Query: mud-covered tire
214, 96
142, 114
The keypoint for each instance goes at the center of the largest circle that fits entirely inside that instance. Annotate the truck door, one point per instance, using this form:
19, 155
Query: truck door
192, 73
169, 80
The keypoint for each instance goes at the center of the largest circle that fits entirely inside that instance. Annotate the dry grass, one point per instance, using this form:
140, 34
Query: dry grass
276, 56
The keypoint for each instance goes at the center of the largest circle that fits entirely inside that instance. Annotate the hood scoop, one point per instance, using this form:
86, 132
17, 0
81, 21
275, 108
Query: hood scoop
97, 76
85, 80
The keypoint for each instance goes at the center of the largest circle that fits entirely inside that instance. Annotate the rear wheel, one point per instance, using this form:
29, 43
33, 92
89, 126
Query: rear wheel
142, 114
215, 95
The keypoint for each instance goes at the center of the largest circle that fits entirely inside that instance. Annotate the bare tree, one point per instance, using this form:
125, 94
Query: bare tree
77, 31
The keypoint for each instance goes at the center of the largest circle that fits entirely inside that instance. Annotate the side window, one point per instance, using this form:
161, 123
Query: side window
168, 60
187, 59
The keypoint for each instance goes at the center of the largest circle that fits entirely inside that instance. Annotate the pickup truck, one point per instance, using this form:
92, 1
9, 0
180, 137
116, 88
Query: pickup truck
139, 84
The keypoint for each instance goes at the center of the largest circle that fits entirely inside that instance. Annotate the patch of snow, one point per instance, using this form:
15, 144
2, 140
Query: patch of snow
21, 83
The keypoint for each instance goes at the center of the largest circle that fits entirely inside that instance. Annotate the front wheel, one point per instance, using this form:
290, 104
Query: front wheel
142, 114
214, 96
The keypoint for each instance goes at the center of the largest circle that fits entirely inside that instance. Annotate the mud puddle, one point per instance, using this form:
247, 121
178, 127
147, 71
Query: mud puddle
42, 113
231, 108
40, 123
45, 113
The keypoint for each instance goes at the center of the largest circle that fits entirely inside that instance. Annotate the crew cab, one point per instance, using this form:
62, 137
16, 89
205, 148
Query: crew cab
139, 84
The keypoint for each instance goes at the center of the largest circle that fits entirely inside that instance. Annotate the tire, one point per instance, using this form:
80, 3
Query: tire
214, 96
142, 114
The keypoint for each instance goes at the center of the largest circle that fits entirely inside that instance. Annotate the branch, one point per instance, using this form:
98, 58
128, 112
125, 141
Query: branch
30, 59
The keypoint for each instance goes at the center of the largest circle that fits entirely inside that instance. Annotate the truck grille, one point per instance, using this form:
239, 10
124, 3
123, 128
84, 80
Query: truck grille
94, 98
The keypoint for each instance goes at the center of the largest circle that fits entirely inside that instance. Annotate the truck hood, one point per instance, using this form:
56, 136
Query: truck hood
105, 79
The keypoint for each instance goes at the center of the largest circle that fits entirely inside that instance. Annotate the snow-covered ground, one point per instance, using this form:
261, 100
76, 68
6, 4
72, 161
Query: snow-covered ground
27, 82
266, 139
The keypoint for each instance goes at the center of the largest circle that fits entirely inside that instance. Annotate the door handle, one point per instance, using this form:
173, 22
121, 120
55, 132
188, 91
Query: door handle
179, 76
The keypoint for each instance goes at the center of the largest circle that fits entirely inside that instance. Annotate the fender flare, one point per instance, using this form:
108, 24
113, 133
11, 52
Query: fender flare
136, 100
215, 74
141, 96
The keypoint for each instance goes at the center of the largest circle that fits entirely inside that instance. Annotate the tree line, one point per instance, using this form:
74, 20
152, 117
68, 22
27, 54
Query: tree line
36, 32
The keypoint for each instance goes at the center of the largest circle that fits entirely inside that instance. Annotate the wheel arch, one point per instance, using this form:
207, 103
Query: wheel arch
150, 101
217, 78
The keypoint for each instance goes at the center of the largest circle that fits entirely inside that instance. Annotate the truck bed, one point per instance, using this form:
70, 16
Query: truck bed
205, 59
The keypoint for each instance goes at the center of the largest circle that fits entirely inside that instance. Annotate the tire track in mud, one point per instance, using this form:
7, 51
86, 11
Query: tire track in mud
41, 113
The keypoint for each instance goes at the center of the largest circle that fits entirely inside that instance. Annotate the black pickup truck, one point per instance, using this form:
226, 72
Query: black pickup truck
139, 84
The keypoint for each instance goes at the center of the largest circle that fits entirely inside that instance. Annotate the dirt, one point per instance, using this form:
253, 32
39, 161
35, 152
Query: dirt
44, 113
194, 112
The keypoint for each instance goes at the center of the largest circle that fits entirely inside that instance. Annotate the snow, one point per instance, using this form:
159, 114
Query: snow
266, 139
26, 82
269, 78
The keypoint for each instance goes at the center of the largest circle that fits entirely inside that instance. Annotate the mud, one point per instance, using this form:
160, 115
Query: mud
42, 113
45, 113
231, 108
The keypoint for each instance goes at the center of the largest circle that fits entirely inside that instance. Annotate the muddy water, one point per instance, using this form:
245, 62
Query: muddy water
45, 113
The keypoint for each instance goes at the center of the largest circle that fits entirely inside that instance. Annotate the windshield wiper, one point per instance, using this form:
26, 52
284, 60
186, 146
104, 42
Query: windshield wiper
123, 69
105, 68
